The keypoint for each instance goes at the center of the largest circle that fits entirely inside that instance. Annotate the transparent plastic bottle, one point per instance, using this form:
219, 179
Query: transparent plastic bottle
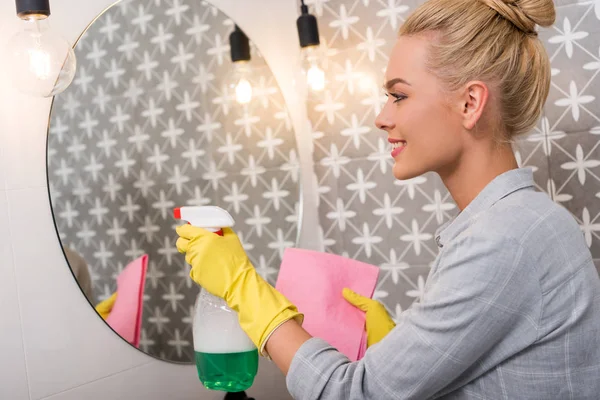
226, 358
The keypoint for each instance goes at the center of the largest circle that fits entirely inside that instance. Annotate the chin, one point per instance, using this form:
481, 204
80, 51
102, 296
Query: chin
402, 173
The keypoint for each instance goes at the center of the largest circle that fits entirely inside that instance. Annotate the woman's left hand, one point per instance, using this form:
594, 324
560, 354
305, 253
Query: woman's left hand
378, 322
105, 306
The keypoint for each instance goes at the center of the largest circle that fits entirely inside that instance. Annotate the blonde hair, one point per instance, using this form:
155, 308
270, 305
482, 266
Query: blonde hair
494, 41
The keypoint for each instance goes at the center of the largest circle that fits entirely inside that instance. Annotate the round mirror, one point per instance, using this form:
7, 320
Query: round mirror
149, 124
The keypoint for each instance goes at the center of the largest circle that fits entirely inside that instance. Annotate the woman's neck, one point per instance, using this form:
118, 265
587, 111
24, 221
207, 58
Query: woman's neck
475, 170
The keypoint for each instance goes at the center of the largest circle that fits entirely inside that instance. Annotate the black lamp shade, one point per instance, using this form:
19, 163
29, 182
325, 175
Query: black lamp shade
240, 45
308, 30
29, 7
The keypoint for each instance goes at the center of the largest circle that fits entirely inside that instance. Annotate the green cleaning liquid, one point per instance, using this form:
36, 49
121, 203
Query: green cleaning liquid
229, 372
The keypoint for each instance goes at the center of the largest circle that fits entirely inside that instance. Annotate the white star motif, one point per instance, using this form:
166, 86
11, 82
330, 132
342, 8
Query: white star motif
341, 214
568, 37
395, 266
588, 226
581, 164
574, 100
335, 161
416, 237
367, 240
371, 44
392, 11
546, 136
411, 184
355, 131
361, 185
344, 21
388, 211
438, 207
258, 220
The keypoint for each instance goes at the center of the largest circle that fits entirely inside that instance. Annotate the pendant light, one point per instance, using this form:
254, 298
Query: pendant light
42, 63
311, 54
240, 86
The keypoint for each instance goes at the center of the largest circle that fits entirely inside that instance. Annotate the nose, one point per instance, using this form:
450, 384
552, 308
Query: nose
383, 121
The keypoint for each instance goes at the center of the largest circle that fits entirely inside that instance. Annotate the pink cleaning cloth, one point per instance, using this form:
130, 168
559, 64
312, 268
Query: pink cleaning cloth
126, 315
314, 282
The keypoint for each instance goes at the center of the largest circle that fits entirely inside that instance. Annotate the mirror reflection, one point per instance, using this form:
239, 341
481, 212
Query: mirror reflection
159, 117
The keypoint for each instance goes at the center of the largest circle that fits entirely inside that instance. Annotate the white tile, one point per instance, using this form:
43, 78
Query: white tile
66, 343
158, 380
2, 151
13, 378
161, 380
24, 140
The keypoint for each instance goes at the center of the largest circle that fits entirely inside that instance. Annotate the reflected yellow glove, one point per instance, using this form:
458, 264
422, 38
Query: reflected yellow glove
378, 321
220, 265
105, 307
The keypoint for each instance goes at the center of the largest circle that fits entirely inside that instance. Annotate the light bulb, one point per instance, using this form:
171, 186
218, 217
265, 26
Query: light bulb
312, 68
240, 86
243, 91
43, 63
315, 78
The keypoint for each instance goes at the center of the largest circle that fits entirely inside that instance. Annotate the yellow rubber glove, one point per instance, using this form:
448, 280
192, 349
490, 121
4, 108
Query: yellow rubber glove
105, 307
378, 321
220, 265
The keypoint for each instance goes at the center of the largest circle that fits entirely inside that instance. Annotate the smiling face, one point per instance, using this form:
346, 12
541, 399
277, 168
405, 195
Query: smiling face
423, 123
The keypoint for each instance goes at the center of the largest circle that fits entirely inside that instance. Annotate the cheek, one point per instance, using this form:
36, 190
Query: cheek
434, 135
428, 122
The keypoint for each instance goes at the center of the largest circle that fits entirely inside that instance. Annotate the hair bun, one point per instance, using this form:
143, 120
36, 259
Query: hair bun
525, 14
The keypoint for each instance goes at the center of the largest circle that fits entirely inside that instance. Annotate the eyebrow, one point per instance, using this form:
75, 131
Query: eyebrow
392, 82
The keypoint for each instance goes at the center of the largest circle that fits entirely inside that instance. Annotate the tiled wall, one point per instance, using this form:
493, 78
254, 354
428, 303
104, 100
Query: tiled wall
54, 345
368, 215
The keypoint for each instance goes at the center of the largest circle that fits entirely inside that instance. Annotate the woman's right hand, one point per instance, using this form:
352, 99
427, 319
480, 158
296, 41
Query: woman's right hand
379, 323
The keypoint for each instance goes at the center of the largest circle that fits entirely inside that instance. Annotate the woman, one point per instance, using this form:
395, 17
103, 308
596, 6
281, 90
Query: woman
511, 308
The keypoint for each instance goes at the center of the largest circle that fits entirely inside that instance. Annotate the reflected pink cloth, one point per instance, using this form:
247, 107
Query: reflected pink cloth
314, 281
126, 315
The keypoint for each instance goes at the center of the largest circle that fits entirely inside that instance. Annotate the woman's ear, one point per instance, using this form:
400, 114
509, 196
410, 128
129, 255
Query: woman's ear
473, 101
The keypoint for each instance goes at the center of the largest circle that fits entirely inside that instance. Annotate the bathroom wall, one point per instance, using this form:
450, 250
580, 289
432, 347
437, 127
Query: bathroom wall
53, 344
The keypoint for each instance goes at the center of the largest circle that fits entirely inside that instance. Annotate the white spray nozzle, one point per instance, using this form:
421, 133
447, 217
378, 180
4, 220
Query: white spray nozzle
207, 217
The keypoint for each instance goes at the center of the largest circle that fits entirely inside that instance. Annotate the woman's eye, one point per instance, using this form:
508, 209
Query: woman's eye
397, 97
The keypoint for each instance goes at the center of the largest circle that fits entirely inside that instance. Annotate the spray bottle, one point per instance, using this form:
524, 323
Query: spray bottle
226, 358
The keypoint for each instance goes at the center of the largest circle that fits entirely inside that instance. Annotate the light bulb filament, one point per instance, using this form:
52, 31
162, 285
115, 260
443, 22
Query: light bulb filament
39, 63
315, 77
243, 91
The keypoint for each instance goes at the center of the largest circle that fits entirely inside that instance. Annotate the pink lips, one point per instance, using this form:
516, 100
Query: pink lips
398, 150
